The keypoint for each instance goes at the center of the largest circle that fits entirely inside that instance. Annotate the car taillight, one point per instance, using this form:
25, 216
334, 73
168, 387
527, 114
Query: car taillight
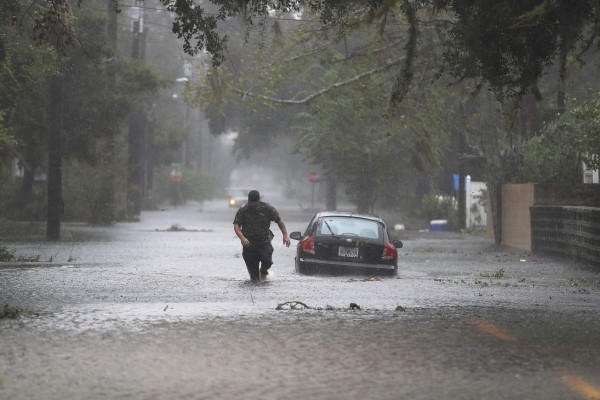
389, 252
308, 244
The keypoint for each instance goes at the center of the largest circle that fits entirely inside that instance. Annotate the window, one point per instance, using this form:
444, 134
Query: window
350, 226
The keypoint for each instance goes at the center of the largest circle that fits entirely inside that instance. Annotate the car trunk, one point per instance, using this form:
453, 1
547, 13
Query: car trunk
348, 249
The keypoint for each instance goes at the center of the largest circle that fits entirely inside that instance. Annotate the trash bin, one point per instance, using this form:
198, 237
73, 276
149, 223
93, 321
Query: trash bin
438, 225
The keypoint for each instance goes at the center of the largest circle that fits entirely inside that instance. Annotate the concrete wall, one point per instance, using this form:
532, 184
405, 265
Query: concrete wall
516, 221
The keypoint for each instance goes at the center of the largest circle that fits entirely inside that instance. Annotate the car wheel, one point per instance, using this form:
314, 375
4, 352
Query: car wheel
304, 269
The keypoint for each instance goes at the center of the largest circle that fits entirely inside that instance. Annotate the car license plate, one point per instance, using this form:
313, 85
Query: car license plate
348, 252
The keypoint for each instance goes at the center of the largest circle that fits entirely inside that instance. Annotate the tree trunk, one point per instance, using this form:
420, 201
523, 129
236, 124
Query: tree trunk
562, 79
362, 206
104, 208
366, 198
55, 202
495, 178
27, 184
462, 195
30, 163
331, 200
136, 133
495, 197
529, 114
136, 174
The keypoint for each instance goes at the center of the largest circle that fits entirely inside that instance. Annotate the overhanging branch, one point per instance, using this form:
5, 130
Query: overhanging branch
323, 91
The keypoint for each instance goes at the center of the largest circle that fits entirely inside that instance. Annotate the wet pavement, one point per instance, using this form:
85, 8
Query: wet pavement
141, 311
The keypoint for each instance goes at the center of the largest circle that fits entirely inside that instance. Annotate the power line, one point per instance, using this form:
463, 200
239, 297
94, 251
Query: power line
207, 13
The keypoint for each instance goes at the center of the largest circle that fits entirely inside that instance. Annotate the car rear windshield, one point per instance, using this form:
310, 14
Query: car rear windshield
351, 226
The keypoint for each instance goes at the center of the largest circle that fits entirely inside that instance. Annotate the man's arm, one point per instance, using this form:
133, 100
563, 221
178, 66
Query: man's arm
286, 238
238, 231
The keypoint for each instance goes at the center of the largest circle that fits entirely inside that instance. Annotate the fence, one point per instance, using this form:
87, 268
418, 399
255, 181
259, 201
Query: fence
566, 231
475, 203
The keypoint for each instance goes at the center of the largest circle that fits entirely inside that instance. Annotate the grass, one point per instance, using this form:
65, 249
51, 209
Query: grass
496, 275
10, 312
7, 255
578, 282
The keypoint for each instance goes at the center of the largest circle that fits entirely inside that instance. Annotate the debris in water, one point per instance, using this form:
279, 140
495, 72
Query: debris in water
292, 305
179, 228
371, 279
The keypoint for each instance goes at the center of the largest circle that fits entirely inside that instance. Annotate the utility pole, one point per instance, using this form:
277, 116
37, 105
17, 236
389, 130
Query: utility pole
105, 146
111, 28
55, 139
462, 195
136, 124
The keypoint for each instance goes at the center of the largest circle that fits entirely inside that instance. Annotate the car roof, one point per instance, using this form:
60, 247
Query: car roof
325, 214
239, 189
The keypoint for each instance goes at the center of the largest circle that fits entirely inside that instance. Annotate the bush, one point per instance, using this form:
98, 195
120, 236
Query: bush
89, 193
436, 206
15, 206
192, 186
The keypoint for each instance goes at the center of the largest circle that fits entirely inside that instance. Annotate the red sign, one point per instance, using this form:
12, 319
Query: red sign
313, 176
175, 175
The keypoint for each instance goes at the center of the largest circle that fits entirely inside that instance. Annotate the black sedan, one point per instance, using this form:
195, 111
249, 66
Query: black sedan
342, 242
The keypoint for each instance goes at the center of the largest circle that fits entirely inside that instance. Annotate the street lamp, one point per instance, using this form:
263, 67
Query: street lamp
184, 80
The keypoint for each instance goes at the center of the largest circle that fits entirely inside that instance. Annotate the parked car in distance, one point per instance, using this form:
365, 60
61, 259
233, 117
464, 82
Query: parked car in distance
238, 197
344, 242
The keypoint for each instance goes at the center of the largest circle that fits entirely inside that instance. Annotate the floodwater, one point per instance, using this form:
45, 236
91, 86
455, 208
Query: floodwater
141, 311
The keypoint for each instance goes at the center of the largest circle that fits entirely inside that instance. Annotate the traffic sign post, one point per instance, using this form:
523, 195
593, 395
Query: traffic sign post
176, 175
313, 177
176, 172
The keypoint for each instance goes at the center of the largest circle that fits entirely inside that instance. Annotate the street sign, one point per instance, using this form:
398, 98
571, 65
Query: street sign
176, 172
313, 176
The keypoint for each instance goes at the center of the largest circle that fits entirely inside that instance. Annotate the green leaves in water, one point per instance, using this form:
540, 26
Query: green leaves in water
7, 255
11, 312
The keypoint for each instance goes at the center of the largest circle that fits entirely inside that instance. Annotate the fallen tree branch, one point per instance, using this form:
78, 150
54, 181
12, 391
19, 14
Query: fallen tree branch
293, 305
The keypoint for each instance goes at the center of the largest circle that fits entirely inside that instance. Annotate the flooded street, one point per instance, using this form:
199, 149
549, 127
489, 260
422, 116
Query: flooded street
164, 309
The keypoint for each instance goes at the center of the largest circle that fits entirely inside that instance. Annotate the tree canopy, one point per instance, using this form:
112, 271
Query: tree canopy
358, 85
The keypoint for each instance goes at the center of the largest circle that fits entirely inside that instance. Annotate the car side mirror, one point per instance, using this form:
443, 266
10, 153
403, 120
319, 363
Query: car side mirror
398, 243
296, 235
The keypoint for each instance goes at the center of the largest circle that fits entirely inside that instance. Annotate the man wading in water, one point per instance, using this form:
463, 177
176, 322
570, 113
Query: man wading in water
251, 225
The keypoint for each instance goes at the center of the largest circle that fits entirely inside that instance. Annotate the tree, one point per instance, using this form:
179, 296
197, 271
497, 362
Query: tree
25, 70
79, 96
355, 146
555, 156
526, 37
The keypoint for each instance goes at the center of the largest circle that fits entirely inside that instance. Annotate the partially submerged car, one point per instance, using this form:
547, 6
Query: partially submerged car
344, 242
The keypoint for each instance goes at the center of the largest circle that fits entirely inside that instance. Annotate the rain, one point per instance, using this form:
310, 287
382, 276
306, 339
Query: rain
461, 133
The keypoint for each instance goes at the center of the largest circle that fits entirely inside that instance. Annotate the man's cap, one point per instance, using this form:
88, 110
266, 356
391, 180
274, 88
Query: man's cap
253, 197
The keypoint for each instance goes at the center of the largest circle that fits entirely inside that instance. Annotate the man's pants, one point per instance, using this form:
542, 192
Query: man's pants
253, 255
